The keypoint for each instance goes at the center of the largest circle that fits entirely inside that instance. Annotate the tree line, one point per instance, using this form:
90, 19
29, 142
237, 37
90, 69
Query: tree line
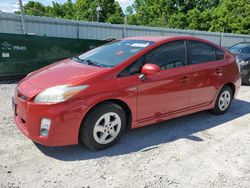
231, 16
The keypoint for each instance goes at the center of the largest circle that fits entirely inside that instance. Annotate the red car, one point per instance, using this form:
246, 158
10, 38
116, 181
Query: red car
132, 83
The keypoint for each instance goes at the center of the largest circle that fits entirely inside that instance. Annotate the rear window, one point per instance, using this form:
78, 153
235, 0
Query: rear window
219, 54
201, 52
114, 53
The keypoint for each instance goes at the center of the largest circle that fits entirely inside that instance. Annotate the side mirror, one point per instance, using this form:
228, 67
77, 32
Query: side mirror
150, 69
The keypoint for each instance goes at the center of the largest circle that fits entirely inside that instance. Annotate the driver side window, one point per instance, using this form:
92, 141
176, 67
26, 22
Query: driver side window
134, 68
169, 55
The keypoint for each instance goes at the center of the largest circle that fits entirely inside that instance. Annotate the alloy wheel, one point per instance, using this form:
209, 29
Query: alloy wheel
224, 100
107, 128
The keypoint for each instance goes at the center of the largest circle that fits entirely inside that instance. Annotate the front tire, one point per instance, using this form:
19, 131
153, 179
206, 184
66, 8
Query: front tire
223, 100
103, 126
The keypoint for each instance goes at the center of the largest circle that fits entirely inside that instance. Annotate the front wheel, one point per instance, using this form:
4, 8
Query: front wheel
103, 126
223, 100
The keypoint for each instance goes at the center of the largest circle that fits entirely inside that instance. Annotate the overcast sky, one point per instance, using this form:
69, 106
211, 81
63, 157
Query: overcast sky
11, 5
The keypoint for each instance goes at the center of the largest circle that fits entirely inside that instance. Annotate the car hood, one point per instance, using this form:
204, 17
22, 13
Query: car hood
61, 73
243, 57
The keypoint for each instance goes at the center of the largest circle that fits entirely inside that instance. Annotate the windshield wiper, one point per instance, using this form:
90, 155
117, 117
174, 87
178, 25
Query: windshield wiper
78, 59
90, 62
87, 61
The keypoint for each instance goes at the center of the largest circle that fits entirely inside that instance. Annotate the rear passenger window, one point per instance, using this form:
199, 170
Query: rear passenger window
167, 56
219, 54
201, 52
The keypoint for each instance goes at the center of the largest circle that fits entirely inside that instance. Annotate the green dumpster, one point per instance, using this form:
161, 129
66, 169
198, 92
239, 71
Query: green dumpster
21, 54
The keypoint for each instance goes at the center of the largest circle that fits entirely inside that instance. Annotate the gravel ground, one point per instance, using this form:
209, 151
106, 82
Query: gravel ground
199, 150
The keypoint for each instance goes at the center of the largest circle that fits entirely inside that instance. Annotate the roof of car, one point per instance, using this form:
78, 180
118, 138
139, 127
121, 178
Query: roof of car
148, 38
242, 44
161, 38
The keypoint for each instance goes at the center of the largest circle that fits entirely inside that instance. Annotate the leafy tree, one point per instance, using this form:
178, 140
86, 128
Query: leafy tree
129, 10
231, 16
35, 9
178, 20
84, 10
87, 10
81, 10
57, 10
115, 17
207, 15
68, 7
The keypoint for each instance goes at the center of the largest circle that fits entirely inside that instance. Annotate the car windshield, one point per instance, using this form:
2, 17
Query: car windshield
239, 48
114, 53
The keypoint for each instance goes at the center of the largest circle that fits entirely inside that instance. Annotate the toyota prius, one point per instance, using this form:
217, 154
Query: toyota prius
133, 82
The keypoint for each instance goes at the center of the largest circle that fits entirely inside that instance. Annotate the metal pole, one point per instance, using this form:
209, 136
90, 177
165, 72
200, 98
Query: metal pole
92, 14
220, 39
222, 36
22, 16
97, 11
124, 26
77, 31
98, 17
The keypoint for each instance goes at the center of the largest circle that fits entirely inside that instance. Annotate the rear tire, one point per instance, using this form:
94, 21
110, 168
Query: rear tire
103, 126
223, 100
246, 80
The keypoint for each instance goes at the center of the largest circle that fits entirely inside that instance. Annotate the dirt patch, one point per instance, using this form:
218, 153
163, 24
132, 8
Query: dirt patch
199, 150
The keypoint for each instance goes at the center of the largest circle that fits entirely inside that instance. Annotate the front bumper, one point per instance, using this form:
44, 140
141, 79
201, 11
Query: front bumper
65, 121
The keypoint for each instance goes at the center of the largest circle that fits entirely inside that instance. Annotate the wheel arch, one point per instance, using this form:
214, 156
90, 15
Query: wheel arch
126, 108
119, 102
231, 85
215, 109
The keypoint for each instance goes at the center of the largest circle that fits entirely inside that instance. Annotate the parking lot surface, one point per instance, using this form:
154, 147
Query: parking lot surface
198, 150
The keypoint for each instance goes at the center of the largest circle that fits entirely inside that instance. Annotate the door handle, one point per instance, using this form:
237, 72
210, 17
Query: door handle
218, 71
185, 78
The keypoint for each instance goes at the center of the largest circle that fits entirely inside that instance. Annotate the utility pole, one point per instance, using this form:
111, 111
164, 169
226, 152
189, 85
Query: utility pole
22, 16
124, 25
98, 11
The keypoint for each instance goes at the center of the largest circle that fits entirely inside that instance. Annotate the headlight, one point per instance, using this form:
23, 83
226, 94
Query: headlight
59, 93
243, 62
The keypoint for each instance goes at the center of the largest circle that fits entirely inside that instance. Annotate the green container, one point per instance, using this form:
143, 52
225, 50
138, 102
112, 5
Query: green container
22, 54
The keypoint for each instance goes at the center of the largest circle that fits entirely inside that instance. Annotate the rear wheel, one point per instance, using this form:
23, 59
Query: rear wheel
223, 100
103, 126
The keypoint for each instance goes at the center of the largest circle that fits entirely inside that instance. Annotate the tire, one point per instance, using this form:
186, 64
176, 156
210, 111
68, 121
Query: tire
225, 95
246, 80
103, 126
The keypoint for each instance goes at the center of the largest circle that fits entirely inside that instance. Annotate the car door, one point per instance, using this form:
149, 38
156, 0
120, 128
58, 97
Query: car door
205, 74
167, 91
